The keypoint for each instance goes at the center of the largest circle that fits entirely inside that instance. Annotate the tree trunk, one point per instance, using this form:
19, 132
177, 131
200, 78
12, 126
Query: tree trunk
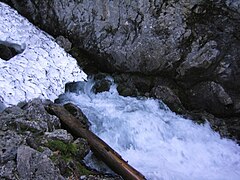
97, 145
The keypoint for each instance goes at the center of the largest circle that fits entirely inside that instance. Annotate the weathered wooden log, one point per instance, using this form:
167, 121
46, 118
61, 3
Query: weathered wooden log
97, 145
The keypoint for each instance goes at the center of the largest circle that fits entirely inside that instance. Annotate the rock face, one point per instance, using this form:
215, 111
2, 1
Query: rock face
189, 42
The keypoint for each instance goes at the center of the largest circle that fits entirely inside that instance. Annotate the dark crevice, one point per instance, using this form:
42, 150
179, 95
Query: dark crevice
9, 50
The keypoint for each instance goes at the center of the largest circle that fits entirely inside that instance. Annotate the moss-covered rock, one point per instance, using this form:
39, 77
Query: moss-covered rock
22, 148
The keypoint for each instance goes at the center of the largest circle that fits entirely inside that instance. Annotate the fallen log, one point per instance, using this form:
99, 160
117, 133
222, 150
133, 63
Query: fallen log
97, 145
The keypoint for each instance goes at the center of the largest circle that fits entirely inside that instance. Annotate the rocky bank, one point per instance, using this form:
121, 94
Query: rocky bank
33, 145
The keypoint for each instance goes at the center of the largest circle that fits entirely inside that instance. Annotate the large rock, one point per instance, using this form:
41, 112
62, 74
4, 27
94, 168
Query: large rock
128, 36
190, 42
168, 97
32, 164
29, 116
212, 97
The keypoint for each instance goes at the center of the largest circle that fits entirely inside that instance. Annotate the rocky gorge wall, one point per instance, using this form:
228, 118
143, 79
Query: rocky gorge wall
184, 52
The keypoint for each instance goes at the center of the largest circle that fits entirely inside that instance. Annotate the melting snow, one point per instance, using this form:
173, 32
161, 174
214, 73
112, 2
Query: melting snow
41, 70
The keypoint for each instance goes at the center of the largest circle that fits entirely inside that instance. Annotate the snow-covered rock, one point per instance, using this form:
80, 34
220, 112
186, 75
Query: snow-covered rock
41, 69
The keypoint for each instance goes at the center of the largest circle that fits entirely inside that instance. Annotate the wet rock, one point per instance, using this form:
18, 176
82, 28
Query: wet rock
64, 43
233, 128
7, 52
76, 112
212, 97
101, 83
133, 85
168, 97
75, 87
101, 86
33, 165
126, 91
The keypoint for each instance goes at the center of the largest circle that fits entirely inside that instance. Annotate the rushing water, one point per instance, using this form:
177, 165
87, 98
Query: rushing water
156, 141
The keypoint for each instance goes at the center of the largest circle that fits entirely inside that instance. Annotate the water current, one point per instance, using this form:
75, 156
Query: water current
156, 141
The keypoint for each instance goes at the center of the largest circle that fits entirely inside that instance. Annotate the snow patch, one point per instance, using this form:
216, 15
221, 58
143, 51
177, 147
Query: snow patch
43, 67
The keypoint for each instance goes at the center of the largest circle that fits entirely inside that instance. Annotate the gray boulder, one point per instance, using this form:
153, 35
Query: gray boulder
30, 116
32, 164
168, 97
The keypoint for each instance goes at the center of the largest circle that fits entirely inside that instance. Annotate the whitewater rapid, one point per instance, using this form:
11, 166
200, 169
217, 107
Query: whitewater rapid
156, 141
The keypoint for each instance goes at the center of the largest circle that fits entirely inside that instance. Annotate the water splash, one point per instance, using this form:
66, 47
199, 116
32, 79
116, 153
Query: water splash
156, 141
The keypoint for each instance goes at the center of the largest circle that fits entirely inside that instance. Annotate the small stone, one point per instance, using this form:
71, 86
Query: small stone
83, 148
75, 87
59, 134
6, 52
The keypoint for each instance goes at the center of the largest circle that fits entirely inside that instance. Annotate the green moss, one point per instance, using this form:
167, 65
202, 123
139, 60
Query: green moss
65, 153
64, 148
40, 149
82, 169
54, 157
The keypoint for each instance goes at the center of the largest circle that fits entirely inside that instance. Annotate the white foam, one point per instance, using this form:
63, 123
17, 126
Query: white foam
157, 142
41, 70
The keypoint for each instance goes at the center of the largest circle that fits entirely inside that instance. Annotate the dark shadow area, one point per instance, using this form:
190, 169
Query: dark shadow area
9, 50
